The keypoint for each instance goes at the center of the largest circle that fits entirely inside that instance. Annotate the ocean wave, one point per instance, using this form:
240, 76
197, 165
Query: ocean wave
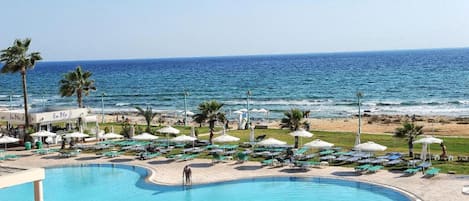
122, 104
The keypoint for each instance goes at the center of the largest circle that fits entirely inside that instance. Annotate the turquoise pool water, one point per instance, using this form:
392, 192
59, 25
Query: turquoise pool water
127, 183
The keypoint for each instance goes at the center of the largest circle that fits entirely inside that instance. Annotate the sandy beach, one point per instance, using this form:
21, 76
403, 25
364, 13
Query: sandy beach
438, 188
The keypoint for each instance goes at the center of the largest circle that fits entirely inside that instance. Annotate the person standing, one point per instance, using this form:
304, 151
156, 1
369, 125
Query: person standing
187, 175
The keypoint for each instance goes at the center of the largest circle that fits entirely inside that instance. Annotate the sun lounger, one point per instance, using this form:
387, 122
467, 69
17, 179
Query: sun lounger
11, 157
342, 158
301, 151
362, 168
412, 171
374, 169
306, 164
185, 157
112, 154
147, 155
425, 165
326, 152
394, 162
218, 158
432, 172
242, 156
353, 159
269, 162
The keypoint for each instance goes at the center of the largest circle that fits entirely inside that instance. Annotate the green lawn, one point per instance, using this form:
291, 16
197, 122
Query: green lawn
455, 146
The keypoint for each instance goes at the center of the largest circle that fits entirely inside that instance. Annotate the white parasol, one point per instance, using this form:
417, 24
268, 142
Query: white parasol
6, 139
370, 147
271, 142
319, 144
183, 138
112, 136
301, 133
225, 138
168, 130
426, 141
145, 136
76, 135
43, 134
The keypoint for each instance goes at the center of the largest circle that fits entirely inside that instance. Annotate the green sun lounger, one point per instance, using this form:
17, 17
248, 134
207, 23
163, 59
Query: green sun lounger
306, 164
432, 172
412, 170
362, 168
112, 154
326, 152
242, 156
218, 158
269, 162
11, 157
186, 157
374, 169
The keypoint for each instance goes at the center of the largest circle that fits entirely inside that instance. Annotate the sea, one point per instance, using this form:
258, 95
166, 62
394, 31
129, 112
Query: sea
406, 82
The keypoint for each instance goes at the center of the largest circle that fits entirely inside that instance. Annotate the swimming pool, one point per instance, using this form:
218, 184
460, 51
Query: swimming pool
121, 183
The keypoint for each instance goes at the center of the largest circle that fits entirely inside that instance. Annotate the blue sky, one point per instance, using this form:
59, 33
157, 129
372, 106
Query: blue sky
118, 29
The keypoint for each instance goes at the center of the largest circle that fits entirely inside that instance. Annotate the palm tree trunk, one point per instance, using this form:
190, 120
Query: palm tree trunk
211, 135
411, 148
25, 99
79, 98
296, 141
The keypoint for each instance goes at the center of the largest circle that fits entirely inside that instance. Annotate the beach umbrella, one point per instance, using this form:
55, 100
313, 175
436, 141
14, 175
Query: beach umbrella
112, 136
145, 136
76, 135
370, 147
225, 138
254, 110
43, 134
237, 112
271, 142
262, 110
318, 144
243, 110
168, 130
426, 141
7, 139
183, 138
301, 133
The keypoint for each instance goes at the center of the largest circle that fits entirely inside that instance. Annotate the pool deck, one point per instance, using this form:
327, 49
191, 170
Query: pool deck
441, 187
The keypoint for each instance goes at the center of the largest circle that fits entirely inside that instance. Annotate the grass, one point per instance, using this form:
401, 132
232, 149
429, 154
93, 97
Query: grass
455, 146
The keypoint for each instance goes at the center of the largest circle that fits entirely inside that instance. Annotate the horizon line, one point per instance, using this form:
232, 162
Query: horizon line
259, 55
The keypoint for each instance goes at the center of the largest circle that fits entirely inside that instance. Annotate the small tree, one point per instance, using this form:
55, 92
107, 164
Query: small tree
210, 112
292, 120
409, 131
148, 115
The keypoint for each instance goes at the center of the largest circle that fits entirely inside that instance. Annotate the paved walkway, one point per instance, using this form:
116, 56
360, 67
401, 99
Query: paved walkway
441, 187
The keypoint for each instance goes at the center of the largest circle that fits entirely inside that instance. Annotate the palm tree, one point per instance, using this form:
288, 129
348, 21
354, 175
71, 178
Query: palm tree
148, 114
292, 120
210, 112
409, 131
77, 82
16, 59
